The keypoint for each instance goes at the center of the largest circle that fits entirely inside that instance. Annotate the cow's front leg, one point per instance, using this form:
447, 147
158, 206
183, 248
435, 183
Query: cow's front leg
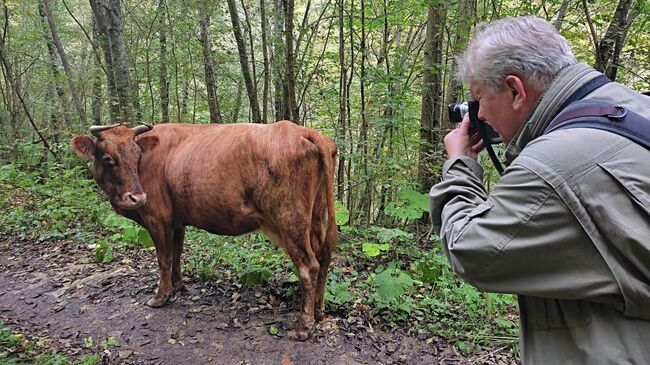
163, 240
177, 276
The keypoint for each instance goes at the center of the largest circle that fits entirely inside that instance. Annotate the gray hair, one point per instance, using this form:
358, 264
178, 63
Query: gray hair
527, 46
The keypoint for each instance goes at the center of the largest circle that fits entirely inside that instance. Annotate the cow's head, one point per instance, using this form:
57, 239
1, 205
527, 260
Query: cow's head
116, 156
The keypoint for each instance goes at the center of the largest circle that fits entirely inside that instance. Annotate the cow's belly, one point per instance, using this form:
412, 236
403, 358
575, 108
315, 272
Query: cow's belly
219, 218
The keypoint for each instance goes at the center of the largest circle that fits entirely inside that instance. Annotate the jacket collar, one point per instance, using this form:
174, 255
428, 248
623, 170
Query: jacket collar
568, 80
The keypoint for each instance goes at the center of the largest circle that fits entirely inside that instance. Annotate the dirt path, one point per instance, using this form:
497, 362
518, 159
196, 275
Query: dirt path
54, 290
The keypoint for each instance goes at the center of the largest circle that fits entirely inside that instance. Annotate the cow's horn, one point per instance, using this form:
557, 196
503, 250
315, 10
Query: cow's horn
142, 128
96, 129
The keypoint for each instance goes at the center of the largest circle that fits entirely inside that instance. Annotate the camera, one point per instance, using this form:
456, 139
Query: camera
458, 110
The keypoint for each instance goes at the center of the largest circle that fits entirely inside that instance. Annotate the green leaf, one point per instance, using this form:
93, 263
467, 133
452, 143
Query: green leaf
337, 293
374, 249
273, 330
103, 252
111, 341
410, 205
131, 234
392, 283
503, 323
428, 272
144, 238
390, 235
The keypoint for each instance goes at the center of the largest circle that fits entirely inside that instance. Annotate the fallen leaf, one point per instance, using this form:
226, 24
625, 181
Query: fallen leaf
286, 361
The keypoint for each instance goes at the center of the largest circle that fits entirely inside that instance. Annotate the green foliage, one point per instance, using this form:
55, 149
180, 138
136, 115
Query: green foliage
250, 257
342, 213
88, 360
374, 249
410, 205
128, 232
103, 252
255, 276
338, 293
430, 268
390, 283
16, 349
109, 342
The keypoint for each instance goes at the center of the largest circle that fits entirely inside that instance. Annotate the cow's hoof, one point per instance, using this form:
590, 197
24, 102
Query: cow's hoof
319, 316
178, 288
298, 335
156, 302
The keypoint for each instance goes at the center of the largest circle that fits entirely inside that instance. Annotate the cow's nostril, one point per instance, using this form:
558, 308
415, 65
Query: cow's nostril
134, 200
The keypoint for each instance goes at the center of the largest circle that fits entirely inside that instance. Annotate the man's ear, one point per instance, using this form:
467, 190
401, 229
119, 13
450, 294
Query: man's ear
83, 146
517, 90
147, 143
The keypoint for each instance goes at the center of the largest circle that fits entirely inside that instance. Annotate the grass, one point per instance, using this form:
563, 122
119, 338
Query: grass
17, 349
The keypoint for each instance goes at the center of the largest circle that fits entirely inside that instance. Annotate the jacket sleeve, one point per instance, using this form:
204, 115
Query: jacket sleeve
520, 239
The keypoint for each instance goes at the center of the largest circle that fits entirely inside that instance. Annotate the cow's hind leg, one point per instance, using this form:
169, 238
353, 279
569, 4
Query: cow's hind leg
324, 257
322, 251
305, 261
163, 239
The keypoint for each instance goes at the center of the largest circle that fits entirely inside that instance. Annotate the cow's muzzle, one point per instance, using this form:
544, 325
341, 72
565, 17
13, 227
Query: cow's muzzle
132, 201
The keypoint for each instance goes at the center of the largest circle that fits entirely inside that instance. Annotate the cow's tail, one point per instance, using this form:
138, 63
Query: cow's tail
327, 151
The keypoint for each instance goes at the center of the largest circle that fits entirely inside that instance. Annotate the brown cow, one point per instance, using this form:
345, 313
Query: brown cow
227, 179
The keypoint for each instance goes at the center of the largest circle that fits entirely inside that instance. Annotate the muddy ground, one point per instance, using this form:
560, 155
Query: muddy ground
55, 290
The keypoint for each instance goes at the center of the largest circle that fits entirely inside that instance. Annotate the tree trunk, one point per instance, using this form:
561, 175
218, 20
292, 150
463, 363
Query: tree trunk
164, 84
213, 103
99, 14
343, 78
235, 112
243, 60
466, 13
118, 52
431, 95
96, 101
248, 34
279, 81
56, 40
290, 62
265, 56
56, 75
366, 198
349, 203
610, 46
561, 14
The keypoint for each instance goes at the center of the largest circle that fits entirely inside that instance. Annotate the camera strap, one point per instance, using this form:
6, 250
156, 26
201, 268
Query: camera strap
598, 114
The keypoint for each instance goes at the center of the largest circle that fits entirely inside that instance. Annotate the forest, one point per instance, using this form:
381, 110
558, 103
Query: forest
374, 75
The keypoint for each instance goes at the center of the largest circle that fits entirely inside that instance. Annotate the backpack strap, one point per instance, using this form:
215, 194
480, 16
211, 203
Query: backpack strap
585, 89
605, 116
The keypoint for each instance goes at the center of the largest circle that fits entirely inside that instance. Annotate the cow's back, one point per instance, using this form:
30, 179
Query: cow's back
230, 178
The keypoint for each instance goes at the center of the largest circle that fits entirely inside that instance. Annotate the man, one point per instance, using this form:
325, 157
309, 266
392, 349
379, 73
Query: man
567, 228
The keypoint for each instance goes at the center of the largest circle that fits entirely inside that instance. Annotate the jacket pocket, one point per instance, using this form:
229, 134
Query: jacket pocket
545, 314
632, 181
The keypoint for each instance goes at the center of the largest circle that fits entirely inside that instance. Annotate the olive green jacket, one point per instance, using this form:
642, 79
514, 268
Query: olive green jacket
567, 228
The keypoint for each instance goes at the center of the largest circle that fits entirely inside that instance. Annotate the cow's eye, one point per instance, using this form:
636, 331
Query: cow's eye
108, 159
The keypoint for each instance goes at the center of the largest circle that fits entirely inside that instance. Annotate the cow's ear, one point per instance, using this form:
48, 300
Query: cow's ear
83, 146
147, 143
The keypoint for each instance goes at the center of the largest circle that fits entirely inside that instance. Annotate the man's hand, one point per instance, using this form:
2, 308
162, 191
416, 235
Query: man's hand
459, 142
